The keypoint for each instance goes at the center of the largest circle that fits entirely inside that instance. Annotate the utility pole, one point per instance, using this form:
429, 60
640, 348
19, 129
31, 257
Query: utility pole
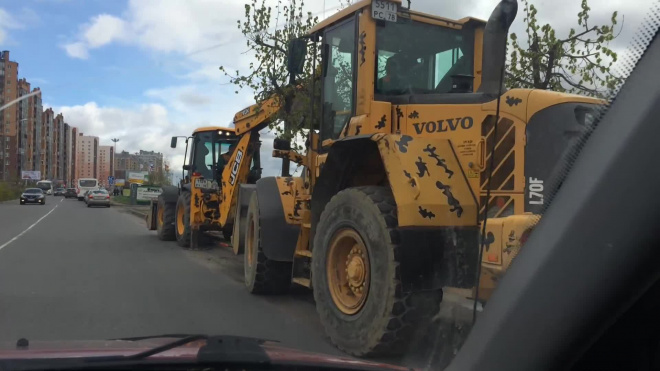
114, 168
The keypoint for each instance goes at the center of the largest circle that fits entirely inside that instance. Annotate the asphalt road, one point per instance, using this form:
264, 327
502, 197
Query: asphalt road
70, 272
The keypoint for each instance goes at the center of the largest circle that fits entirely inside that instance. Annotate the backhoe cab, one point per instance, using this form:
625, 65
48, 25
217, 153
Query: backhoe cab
417, 143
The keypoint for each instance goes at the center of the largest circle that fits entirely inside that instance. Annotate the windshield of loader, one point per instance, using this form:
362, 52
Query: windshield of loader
202, 158
409, 64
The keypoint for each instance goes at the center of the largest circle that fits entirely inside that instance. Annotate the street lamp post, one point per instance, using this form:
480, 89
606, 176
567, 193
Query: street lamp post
114, 161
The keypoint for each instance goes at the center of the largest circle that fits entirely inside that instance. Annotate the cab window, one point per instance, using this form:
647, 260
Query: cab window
338, 79
409, 64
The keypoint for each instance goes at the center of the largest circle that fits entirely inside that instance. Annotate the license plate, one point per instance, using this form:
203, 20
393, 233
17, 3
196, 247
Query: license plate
205, 183
384, 10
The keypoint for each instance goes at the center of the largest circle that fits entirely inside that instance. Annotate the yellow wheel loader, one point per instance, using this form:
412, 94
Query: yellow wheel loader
422, 172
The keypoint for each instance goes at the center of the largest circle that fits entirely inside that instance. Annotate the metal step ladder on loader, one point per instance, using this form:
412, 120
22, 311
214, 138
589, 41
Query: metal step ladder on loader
418, 177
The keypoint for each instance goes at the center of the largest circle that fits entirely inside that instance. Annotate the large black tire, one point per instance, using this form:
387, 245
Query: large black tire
227, 231
182, 220
388, 320
165, 220
262, 275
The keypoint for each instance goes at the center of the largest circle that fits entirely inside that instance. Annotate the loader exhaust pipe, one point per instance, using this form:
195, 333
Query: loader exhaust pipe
494, 49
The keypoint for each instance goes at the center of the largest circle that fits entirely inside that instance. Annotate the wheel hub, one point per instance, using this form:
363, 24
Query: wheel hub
355, 270
348, 271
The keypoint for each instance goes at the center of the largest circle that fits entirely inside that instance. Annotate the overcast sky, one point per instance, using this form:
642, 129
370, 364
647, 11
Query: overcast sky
144, 70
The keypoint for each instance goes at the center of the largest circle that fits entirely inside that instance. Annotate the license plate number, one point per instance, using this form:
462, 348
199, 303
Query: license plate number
205, 183
384, 10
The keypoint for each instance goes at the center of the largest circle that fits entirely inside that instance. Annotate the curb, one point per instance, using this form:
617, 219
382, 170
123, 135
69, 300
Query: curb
138, 213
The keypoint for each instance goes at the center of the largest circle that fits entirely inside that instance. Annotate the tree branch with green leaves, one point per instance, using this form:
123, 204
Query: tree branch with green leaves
267, 32
579, 63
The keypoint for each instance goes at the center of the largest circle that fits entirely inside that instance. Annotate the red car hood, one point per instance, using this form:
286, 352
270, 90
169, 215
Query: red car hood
102, 348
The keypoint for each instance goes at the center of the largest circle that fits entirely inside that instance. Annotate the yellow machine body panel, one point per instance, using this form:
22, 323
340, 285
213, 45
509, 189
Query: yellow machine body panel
290, 188
427, 182
234, 173
256, 115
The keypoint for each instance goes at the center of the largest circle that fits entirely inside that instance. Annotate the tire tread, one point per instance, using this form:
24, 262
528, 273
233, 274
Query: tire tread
409, 311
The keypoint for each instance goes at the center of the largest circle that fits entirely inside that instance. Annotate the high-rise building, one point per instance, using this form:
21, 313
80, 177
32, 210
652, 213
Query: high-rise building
67, 154
106, 158
47, 147
74, 156
37, 113
8, 117
25, 128
87, 156
58, 147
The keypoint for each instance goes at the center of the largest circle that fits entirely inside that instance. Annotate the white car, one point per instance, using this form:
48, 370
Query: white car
86, 184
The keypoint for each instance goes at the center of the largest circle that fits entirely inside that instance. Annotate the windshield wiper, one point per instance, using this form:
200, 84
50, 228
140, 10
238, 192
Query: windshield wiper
217, 349
148, 353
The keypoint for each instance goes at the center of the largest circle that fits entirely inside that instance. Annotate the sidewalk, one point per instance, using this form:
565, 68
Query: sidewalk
140, 211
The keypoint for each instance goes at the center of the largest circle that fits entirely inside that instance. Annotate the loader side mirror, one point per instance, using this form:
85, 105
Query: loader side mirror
173, 143
296, 56
281, 144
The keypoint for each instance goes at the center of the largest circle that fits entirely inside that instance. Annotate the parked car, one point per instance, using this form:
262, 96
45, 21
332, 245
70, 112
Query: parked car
33, 196
99, 197
59, 192
70, 193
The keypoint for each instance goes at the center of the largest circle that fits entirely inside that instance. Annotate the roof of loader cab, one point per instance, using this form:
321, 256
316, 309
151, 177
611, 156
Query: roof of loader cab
367, 3
214, 128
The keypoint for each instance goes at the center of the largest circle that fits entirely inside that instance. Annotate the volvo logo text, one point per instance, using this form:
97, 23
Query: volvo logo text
444, 125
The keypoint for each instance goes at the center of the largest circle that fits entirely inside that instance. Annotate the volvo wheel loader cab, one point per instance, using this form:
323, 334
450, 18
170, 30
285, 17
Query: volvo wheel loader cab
417, 145
217, 162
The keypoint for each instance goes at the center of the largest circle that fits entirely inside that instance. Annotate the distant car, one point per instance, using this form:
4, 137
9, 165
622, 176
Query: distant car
99, 197
85, 194
70, 193
59, 192
33, 196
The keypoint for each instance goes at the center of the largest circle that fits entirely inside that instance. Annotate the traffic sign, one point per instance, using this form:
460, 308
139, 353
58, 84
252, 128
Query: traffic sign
111, 180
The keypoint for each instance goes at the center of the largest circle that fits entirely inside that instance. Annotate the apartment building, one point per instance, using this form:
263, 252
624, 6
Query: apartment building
106, 167
9, 91
47, 147
87, 148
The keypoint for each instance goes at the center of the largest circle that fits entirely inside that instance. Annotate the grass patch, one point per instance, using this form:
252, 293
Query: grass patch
122, 200
126, 200
10, 191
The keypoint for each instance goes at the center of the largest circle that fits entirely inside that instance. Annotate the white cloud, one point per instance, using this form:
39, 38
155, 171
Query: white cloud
149, 126
104, 29
7, 22
76, 50
101, 30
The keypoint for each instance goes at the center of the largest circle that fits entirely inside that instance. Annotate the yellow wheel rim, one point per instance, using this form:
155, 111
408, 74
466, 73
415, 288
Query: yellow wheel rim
180, 227
348, 271
249, 243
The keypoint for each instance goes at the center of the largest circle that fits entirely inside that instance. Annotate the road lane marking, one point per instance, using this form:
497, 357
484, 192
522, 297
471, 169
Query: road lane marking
27, 229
